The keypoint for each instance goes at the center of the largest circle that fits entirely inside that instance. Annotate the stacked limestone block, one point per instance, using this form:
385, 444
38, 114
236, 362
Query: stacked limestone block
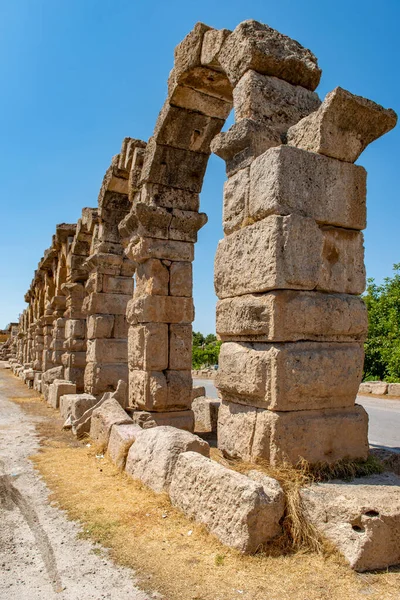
288, 274
162, 227
74, 346
109, 286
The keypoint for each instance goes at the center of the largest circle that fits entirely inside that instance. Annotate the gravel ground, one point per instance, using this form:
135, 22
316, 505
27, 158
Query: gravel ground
41, 557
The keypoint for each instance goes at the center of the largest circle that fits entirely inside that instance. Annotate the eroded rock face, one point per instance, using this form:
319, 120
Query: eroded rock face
361, 518
153, 456
243, 513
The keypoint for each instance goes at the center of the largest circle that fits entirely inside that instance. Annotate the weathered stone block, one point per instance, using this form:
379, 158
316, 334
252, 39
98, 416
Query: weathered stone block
153, 456
256, 46
315, 435
121, 439
75, 405
205, 414
180, 347
160, 309
111, 304
147, 390
361, 518
289, 316
185, 129
374, 387
287, 180
198, 391
394, 389
236, 200
343, 126
144, 248
152, 278
185, 225
57, 389
181, 419
288, 377
75, 328
100, 326
212, 43
272, 101
148, 346
100, 378
289, 253
188, 52
166, 165
160, 391
103, 418
180, 279
107, 351
118, 285
168, 197
242, 513
191, 99
51, 374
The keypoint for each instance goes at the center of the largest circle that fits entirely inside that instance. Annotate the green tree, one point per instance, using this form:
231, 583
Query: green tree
382, 348
205, 350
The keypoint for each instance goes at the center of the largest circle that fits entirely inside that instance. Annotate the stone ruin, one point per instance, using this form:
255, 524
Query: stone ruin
288, 273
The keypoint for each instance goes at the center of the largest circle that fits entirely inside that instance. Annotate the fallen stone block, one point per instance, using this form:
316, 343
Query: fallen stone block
60, 388
394, 389
241, 512
152, 458
121, 439
37, 382
380, 388
290, 377
198, 391
75, 405
180, 419
205, 414
361, 518
342, 127
28, 375
291, 316
289, 252
314, 435
51, 374
104, 417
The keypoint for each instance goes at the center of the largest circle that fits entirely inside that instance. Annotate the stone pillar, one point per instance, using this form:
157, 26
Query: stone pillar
110, 282
74, 356
288, 274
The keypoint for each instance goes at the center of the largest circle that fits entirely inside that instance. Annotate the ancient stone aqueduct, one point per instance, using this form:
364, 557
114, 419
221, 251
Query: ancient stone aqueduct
112, 298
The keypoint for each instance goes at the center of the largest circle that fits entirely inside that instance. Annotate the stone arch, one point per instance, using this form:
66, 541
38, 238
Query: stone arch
161, 229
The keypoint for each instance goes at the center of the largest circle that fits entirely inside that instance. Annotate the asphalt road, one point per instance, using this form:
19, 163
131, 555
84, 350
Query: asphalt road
384, 417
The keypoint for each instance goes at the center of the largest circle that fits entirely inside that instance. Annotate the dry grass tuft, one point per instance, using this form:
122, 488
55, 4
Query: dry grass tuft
299, 535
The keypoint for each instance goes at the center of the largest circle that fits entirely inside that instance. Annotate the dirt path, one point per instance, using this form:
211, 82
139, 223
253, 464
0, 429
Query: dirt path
41, 556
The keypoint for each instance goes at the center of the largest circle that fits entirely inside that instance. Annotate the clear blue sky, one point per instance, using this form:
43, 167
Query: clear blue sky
79, 75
